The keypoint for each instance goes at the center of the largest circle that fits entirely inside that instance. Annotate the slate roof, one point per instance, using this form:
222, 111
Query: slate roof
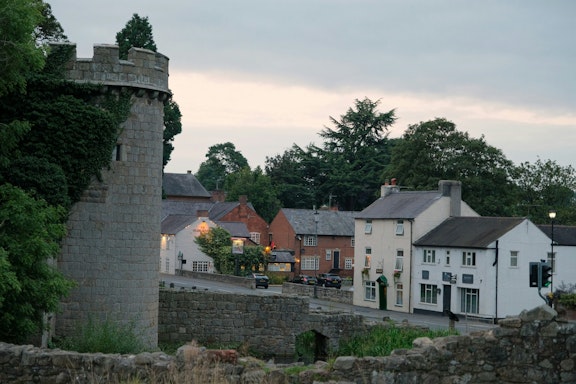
235, 228
330, 223
172, 224
282, 256
400, 205
221, 208
183, 184
468, 232
171, 207
563, 234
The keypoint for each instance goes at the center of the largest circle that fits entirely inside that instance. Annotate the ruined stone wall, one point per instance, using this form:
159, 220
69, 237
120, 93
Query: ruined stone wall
535, 347
112, 246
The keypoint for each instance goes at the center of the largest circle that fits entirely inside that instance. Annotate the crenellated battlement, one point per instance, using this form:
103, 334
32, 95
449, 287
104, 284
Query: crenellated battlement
144, 69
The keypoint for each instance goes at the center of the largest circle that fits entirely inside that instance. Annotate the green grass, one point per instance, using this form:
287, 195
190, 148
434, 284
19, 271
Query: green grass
382, 340
104, 337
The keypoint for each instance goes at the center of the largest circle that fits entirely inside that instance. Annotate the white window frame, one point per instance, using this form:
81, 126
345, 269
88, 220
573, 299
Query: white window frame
514, 259
447, 258
428, 294
469, 300
310, 263
348, 263
399, 265
368, 227
468, 259
255, 237
369, 290
200, 266
429, 256
310, 241
399, 227
399, 294
328, 254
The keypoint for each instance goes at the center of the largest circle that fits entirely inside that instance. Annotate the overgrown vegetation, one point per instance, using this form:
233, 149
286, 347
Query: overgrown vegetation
104, 337
383, 339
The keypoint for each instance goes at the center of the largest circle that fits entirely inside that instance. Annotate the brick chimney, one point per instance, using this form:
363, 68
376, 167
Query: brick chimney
389, 188
452, 189
202, 213
243, 199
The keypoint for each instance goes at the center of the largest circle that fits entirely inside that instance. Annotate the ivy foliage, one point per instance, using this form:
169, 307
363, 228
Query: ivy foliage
30, 231
72, 132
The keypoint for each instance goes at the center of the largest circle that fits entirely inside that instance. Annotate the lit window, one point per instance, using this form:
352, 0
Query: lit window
367, 261
370, 290
428, 294
513, 258
429, 256
368, 227
469, 259
400, 227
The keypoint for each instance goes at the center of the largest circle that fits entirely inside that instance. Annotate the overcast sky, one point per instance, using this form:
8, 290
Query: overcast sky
266, 74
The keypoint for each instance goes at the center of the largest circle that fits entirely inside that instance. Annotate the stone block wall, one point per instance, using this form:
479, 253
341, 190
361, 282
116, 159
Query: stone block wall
330, 294
112, 246
534, 347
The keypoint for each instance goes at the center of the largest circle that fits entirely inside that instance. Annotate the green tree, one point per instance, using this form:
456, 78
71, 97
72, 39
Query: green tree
545, 186
222, 160
435, 150
257, 187
30, 285
217, 244
286, 172
19, 54
138, 33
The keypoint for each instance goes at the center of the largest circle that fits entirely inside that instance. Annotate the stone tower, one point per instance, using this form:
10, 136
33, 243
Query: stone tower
112, 248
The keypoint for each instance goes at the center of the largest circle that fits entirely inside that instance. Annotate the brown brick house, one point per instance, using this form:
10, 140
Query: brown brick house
322, 240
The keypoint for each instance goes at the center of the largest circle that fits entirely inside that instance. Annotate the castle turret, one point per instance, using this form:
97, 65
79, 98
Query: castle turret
112, 248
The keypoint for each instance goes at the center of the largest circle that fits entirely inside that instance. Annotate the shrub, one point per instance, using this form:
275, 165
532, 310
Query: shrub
104, 337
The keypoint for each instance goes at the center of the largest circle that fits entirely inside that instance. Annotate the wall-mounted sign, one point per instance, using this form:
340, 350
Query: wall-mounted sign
237, 246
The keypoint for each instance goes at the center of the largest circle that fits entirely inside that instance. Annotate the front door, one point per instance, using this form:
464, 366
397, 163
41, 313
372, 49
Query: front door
382, 293
446, 298
336, 261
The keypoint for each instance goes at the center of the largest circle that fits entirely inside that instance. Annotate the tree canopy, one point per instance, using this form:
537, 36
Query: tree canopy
138, 33
221, 160
435, 150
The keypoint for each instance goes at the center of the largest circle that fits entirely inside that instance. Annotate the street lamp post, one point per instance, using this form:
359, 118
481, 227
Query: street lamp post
552, 216
316, 219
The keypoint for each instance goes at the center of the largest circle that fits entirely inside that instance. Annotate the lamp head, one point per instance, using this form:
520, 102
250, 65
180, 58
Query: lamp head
552, 214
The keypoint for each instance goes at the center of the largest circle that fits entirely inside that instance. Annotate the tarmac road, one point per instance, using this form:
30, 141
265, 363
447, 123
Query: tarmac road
432, 321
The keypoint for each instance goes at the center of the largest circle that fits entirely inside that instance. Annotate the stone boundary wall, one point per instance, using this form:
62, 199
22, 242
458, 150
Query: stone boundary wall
229, 279
267, 325
330, 294
535, 347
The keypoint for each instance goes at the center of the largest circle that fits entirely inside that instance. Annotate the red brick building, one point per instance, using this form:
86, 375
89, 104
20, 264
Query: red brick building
321, 240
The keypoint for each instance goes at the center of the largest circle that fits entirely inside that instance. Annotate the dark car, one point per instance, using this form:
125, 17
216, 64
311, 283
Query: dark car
305, 279
261, 280
329, 280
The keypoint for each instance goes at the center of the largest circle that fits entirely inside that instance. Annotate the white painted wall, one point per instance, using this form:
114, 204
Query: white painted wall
503, 289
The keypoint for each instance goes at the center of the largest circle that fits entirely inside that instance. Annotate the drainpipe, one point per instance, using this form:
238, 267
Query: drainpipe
410, 309
496, 264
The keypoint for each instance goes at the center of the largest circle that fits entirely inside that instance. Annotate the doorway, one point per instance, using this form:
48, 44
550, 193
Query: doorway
446, 298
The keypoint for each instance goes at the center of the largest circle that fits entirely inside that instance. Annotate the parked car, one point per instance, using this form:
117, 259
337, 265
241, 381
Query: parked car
305, 279
261, 280
329, 280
